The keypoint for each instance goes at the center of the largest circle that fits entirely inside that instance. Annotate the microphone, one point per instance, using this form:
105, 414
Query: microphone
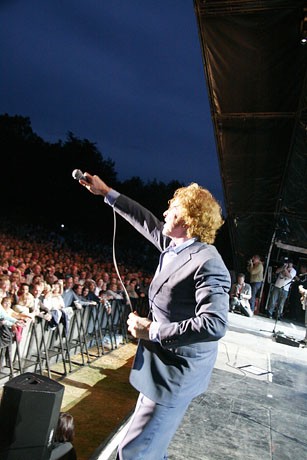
78, 175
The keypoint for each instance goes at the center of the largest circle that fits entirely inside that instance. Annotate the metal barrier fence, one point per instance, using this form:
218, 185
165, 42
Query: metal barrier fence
92, 331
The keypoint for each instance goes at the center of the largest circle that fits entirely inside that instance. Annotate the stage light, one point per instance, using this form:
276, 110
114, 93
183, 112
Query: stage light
303, 39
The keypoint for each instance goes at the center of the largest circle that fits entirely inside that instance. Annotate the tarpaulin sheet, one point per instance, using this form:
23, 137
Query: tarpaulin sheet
255, 68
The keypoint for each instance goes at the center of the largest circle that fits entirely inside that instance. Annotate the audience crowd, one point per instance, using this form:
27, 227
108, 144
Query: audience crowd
45, 277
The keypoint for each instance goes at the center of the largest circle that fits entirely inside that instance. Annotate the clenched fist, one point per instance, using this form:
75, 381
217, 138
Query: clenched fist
138, 326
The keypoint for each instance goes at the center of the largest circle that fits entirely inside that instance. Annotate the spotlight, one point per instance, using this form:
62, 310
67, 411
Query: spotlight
303, 39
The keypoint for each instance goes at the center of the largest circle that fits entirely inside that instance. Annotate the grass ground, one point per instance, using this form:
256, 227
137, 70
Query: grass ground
99, 397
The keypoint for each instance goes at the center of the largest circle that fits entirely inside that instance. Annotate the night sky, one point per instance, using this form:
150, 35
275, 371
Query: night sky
127, 75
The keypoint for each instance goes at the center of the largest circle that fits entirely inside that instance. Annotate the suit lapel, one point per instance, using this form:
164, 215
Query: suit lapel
162, 276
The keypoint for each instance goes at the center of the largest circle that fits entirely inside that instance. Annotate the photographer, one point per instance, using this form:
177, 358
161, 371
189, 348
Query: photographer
303, 293
240, 294
255, 269
280, 291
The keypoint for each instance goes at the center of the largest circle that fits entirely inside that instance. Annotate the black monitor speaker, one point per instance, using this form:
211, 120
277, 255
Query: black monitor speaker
29, 412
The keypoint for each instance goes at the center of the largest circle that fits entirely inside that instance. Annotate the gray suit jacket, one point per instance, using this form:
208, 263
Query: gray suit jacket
189, 297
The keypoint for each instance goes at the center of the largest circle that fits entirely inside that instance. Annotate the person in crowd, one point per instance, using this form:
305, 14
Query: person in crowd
39, 309
106, 279
25, 300
91, 291
100, 286
38, 279
144, 286
63, 448
120, 288
50, 277
113, 292
55, 302
131, 288
75, 279
21, 266
188, 313
68, 293
6, 304
12, 289
255, 269
85, 293
82, 277
16, 279
57, 295
82, 300
240, 295
52, 299
77, 288
47, 296
58, 288
278, 296
7, 319
20, 319
37, 271
142, 291
5, 284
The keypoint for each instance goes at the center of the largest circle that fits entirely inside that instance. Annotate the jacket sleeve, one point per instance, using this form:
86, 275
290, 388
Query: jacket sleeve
142, 220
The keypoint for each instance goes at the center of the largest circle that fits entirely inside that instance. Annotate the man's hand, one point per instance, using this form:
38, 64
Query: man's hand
95, 185
138, 326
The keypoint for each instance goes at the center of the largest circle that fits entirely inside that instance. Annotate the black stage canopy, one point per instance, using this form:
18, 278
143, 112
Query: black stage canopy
256, 71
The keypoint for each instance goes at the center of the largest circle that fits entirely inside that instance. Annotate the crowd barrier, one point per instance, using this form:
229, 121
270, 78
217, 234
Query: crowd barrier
92, 331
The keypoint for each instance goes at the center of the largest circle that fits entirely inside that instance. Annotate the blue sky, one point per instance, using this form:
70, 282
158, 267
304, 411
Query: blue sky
127, 75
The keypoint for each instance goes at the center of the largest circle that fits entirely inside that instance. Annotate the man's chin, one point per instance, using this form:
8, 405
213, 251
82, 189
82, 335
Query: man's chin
165, 231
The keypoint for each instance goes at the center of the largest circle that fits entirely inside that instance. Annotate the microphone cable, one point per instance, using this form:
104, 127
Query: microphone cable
77, 174
115, 261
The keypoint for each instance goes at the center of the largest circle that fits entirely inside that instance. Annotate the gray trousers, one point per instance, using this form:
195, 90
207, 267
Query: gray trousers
151, 430
277, 300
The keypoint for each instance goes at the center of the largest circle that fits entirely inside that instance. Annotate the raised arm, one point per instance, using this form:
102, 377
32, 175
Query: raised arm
95, 185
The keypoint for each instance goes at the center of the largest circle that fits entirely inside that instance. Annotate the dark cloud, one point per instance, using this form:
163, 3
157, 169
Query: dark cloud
126, 75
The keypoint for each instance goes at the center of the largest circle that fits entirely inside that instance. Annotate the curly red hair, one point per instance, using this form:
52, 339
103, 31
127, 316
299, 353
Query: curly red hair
201, 213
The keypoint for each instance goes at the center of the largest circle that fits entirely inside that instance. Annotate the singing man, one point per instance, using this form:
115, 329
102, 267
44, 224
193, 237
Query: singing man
188, 303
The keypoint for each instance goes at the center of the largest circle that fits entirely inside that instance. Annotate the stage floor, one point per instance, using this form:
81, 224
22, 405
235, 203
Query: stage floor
256, 405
